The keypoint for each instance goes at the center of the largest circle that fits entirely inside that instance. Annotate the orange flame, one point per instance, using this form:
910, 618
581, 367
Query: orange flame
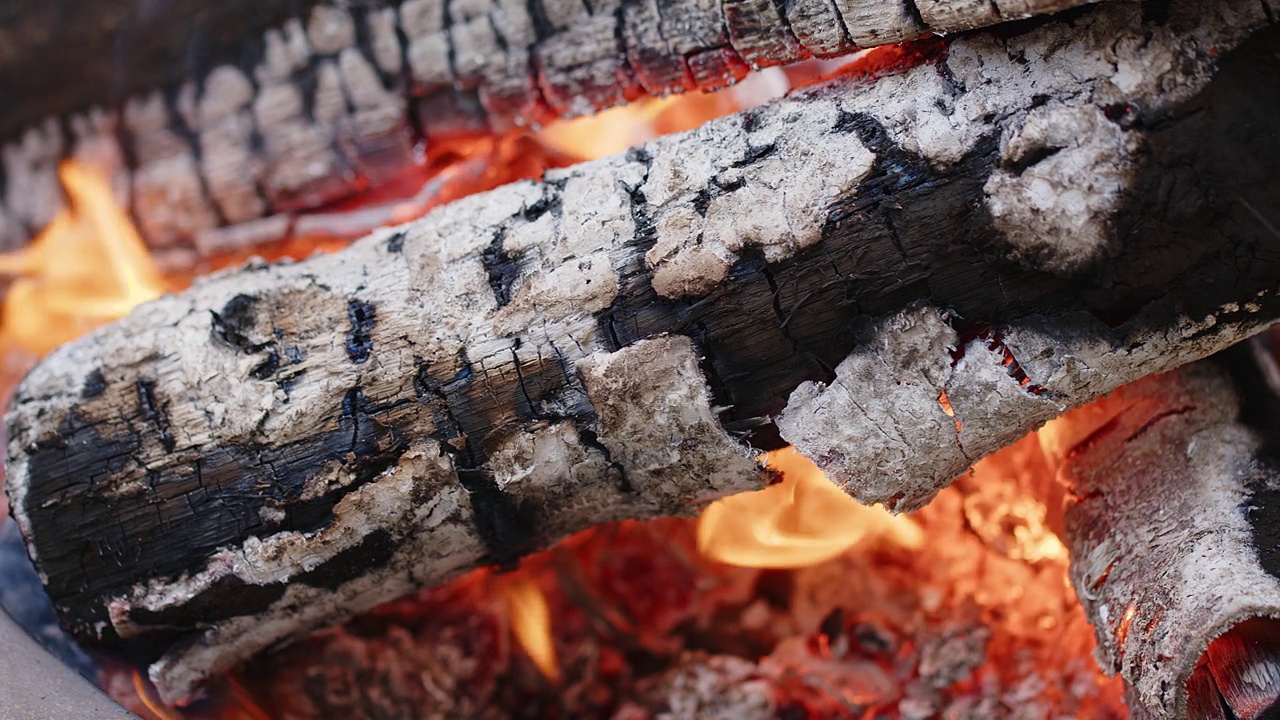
803, 520
531, 624
151, 701
615, 130
88, 267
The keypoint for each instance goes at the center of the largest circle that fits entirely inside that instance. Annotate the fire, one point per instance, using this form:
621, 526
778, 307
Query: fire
138, 695
615, 130
88, 267
153, 704
531, 624
802, 520
986, 548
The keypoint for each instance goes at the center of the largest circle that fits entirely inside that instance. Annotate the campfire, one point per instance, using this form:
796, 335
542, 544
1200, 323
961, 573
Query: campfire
476, 420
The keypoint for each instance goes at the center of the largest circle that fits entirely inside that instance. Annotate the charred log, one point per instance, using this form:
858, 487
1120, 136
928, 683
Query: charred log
284, 446
220, 121
1170, 525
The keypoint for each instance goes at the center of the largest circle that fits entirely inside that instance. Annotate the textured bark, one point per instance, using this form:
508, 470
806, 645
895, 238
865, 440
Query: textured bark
214, 140
1172, 528
283, 446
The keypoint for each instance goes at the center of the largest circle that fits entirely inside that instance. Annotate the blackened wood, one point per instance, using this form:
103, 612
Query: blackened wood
62, 56
218, 121
284, 446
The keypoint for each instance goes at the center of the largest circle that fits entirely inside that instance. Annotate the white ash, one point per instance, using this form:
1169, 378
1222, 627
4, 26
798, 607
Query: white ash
1056, 212
655, 417
896, 445
777, 203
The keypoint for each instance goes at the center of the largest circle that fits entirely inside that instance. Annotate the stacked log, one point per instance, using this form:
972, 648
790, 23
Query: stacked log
284, 446
218, 123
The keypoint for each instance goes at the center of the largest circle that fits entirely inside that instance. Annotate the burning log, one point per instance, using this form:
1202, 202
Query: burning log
1171, 526
907, 275
298, 111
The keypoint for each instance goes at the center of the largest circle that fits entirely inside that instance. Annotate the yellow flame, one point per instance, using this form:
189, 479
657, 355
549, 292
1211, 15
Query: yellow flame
531, 624
803, 520
86, 268
608, 132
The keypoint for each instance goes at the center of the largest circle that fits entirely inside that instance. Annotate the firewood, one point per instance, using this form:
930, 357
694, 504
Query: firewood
1204, 702
1245, 664
1171, 528
219, 122
1017, 225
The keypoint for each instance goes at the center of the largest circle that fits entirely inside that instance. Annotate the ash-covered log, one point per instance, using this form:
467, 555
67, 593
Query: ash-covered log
1174, 500
220, 122
907, 275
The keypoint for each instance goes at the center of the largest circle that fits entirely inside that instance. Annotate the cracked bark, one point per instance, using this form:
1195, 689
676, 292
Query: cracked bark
284, 446
1172, 529
219, 125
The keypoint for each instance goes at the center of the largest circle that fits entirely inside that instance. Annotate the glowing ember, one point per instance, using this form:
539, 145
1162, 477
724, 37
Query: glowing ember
531, 624
1126, 622
617, 129
802, 520
1013, 510
87, 268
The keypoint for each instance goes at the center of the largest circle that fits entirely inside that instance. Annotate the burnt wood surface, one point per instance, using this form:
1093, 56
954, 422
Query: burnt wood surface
1171, 522
218, 121
1023, 224
62, 56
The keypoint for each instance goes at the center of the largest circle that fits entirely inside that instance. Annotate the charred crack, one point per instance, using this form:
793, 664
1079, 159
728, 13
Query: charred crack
179, 127
502, 268
407, 86
1013, 368
364, 42
446, 31
1156, 419
152, 412
432, 391
784, 319
1030, 159
591, 440
635, 280
506, 529
373, 551
363, 317
266, 368
542, 26
913, 12
789, 34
